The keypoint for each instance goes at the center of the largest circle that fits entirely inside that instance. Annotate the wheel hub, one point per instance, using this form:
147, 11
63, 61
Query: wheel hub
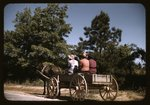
107, 89
51, 87
77, 87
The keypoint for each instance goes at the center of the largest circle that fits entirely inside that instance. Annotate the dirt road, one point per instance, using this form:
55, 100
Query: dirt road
21, 96
32, 93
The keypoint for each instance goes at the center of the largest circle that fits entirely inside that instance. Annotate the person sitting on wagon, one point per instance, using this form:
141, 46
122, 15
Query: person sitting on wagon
72, 63
84, 63
92, 64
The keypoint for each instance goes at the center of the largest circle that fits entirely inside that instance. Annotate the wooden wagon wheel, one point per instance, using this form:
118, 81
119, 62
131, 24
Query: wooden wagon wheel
109, 92
78, 87
53, 87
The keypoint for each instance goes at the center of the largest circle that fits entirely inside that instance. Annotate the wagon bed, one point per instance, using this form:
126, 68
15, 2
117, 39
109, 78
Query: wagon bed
79, 84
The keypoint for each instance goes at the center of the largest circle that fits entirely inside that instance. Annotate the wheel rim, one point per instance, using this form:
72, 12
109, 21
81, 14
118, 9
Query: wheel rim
109, 92
78, 88
53, 87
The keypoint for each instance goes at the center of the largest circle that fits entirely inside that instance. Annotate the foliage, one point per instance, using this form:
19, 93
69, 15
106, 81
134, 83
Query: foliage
104, 43
38, 37
100, 36
102, 40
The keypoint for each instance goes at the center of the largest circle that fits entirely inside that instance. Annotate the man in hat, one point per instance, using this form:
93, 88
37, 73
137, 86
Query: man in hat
72, 63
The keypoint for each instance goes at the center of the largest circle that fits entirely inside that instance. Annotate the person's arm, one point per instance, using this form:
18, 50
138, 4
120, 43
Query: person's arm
69, 64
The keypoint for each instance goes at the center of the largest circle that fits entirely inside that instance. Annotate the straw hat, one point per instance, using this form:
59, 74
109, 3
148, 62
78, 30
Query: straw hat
85, 54
71, 56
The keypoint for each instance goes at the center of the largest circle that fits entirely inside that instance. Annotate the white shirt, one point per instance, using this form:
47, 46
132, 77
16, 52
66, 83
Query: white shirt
73, 63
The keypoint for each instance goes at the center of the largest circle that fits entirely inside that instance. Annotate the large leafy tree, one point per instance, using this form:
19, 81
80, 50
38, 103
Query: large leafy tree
38, 37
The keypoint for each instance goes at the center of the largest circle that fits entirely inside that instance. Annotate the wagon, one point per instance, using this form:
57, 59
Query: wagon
80, 83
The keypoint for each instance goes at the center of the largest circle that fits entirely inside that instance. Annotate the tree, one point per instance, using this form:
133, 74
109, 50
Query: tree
101, 39
100, 36
37, 38
111, 57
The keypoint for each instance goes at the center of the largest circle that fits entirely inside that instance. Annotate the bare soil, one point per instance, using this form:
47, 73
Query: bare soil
92, 94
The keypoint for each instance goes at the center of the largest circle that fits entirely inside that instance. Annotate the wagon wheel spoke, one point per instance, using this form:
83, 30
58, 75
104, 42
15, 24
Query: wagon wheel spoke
78, 88
112, 94
50, 89
73, 84
109, 92
74, 95
104, 94
53, 88
107, 96
113, 91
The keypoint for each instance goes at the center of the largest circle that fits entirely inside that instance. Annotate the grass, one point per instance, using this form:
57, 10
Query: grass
23, 88
27, 86
26, 83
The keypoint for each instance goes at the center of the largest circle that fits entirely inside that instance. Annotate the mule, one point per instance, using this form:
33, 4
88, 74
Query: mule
47, 71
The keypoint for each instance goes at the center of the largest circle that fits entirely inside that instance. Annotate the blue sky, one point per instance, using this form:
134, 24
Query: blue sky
130, 18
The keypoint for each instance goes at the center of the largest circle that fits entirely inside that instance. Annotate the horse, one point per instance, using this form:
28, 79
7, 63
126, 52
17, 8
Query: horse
46, 71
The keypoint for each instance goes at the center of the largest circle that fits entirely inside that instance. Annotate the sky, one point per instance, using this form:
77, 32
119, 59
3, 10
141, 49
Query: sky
130, 18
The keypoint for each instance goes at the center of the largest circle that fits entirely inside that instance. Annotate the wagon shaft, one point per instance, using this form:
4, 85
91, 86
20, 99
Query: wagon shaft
44, 76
